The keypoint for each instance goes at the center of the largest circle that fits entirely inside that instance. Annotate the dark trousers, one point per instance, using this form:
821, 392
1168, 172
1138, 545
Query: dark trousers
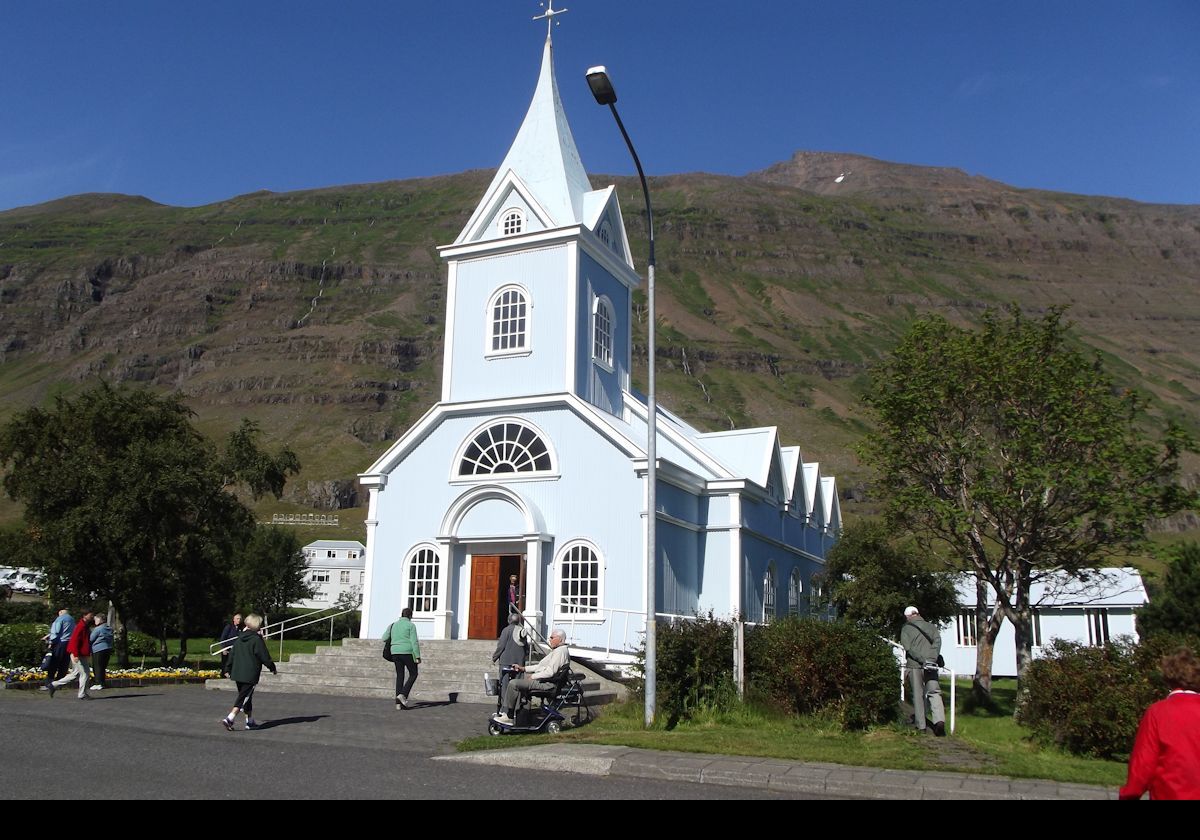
99, 664
60, 663
404, 662
245, 698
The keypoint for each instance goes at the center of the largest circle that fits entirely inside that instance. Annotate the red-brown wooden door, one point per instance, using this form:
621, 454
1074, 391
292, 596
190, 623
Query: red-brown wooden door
485, 597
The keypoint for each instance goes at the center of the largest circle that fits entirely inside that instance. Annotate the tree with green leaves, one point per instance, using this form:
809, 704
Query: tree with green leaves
126, 501
870, 578
271, 572
1176, 609
1008, 452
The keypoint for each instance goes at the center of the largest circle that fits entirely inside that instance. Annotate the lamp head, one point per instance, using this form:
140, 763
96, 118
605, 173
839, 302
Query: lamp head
601, 85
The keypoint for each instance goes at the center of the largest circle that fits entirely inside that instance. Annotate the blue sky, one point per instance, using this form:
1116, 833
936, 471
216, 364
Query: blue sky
190, 103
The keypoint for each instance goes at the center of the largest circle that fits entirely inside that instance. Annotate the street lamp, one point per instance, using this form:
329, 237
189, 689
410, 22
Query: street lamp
606, 94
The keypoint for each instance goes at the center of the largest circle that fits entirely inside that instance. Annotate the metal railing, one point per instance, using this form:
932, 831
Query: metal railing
279, 628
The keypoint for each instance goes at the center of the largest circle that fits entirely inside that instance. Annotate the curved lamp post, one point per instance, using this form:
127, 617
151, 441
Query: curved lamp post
605, 94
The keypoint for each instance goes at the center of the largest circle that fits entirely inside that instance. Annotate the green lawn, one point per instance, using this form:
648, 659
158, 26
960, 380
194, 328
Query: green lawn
991, 744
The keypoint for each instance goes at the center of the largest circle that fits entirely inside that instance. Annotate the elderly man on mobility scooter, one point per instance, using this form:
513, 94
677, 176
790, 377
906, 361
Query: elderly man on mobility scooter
535, 680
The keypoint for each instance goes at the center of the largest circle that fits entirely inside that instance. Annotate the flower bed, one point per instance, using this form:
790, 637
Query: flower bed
117, 677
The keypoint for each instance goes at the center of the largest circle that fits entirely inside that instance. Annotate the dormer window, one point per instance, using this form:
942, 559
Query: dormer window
606, 233
512, 222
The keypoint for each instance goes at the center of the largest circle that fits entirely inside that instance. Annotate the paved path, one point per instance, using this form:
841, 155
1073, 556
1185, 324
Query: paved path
166, 742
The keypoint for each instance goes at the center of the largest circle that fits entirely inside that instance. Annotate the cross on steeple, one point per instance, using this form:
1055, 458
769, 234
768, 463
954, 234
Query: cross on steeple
549, 15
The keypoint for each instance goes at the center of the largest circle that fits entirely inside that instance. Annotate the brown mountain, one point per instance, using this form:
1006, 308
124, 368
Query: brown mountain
320, 313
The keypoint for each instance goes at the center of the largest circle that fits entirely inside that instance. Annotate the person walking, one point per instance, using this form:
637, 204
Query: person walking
406, 654
923, 650
248, 656
228, 633
57, 638
79, 648
102, 647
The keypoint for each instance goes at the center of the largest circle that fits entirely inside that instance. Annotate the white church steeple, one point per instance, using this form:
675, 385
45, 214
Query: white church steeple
542, 167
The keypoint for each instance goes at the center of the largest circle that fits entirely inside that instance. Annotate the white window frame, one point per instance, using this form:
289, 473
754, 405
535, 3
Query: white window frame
1097, 626
344, 577
966, 628
603, 304
561, 611
456, 474
770, 595
525, 335
795, 592
511, 222
320, 576
428, 558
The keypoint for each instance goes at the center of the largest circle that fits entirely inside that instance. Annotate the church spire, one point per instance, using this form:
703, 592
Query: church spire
543, 155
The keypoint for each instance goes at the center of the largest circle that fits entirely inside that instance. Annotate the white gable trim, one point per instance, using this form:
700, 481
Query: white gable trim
495, 202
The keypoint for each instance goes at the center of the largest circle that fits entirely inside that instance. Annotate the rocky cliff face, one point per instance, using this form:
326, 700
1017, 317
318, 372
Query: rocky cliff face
321, 313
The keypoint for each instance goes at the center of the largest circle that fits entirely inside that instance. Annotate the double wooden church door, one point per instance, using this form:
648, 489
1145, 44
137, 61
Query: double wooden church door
490, 575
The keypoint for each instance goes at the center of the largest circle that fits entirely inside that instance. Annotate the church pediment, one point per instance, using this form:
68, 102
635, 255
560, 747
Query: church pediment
509, 209
602, 216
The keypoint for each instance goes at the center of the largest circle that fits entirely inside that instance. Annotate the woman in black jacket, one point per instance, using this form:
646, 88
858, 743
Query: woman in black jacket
247, 658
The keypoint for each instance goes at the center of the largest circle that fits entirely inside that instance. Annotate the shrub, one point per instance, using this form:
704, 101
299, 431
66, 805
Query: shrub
1088, 700
694, 669
25, 612
142, 644
344, 626
808, 666
21, 644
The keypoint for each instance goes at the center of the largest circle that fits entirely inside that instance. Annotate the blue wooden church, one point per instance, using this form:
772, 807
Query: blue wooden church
533, 463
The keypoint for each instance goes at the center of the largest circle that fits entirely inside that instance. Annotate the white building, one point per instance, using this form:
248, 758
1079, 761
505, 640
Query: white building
335, 567
534, 461
1090, 612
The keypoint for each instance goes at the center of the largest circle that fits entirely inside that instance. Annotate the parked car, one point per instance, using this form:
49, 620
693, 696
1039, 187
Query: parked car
25, 580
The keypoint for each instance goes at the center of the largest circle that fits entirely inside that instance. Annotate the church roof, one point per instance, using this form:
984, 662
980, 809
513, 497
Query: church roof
543, 158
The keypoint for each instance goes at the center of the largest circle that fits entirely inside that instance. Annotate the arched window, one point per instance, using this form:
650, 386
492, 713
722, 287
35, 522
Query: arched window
769, 593
509, 321
602, 332
512, 222
795, 592
506, 447
606, 233
580, 579
423, 580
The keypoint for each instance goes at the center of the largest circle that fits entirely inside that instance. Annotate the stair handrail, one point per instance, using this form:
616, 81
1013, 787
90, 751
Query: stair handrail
281, 627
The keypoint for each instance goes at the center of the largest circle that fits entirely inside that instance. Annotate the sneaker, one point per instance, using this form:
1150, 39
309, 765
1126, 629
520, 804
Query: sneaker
85, 697
96, 688
51, 689
502, 718
227, 723
939, 729
252, 724
404, 701
45, 688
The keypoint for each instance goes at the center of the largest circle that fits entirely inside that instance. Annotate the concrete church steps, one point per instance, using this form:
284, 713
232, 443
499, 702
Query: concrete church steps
449, 669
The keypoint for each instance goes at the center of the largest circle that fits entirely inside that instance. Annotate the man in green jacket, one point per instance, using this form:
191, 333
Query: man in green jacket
246, 660
922, 646
406, 654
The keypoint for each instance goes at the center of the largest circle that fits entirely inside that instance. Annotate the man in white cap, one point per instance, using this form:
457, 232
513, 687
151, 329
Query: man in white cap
923, 647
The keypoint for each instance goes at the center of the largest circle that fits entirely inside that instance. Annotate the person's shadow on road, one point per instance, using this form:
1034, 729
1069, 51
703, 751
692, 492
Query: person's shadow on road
271, 724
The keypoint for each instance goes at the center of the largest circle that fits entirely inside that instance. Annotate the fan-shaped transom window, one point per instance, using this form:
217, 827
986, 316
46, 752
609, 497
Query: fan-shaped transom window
580, 575
512, 222
423, 580
505, 448
510, 321
602, 333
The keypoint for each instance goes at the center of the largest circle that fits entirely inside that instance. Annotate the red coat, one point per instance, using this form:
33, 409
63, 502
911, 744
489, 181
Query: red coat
1166, 753
81, 640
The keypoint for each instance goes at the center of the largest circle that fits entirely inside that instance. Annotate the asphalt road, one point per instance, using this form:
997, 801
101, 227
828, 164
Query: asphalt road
166, 742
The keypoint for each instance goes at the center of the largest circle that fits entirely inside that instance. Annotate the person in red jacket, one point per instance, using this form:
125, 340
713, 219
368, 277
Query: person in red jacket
80, 649
1166, 752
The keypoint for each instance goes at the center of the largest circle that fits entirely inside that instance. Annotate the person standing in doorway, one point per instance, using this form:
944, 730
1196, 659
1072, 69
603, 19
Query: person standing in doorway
406, 655
102, 647
79, 648
246, 661
514, 595
923, 650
